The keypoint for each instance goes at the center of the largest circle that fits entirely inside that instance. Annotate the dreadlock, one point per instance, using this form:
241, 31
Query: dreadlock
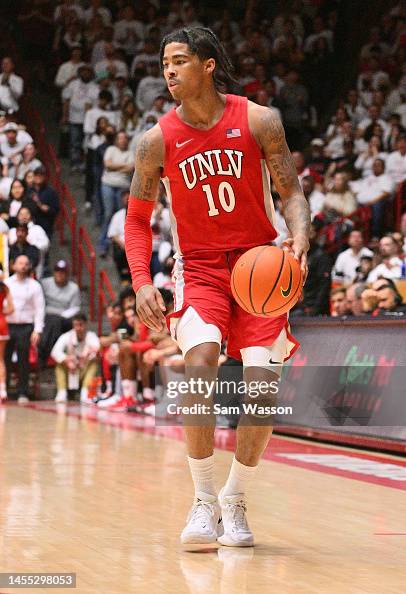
205, 44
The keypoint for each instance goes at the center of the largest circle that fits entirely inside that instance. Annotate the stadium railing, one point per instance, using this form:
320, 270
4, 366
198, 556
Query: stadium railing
105, 295
54, 169
87, 259
69, 218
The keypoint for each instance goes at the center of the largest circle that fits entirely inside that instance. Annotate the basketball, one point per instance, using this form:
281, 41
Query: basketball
266, 281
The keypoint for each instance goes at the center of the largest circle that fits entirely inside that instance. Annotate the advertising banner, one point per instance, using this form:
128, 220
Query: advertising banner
348, 376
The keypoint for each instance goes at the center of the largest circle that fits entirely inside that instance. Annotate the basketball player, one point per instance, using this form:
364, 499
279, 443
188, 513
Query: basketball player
214, 153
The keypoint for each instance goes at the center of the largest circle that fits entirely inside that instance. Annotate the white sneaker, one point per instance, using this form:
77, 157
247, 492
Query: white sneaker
148, 394
203, 521
61, 396
23, 399
106, 402
84, 397
236, 529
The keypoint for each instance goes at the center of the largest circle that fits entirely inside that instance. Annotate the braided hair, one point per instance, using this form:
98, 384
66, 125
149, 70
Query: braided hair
205, 44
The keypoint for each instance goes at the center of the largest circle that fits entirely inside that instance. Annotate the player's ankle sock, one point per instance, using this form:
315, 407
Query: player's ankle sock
129, 388
148, 394
202, 470
238, 479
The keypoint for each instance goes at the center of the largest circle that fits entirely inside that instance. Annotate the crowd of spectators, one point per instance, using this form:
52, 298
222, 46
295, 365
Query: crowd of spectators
111, 90
350, 168
36, 306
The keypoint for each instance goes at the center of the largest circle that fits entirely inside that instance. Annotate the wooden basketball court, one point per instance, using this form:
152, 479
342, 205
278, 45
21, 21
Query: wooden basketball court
105, 495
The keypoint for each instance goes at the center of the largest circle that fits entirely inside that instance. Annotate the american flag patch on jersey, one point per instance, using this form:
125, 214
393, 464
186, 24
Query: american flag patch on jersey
233, 133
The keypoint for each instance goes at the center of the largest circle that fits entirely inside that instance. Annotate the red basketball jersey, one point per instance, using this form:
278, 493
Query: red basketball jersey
217, 183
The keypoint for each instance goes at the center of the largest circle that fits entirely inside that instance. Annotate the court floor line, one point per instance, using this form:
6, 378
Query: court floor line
329, 459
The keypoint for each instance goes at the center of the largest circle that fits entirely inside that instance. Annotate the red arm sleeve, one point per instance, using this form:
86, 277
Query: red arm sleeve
138, 240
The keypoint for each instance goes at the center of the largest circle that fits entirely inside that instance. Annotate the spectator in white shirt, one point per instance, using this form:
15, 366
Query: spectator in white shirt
72, 37
147, 56
11, 86
116, 235
25, 323
374, 74
28, 162
314, 197
13, 141
163, 279
68, 71
374, 191
339, 129
96, 119
369, 50
366, 159
36, 236
121, 92
98, 51
78, 96
5, 186
149, 88
401, 108
347, 262
396, 161
128, 32
118, 166
111, 63
354, 108
391, 265
101, 110
320, 30
280, 223
374, 117
75, 353
96, 8
67, 10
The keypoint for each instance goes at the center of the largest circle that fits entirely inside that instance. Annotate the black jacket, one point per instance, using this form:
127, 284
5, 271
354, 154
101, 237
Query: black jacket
28, 250
316, 292
48, 196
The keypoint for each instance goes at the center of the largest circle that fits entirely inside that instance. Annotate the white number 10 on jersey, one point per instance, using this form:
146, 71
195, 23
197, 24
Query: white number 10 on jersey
226, 197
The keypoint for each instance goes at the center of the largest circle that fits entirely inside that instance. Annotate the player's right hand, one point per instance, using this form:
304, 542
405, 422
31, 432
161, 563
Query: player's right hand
150, 307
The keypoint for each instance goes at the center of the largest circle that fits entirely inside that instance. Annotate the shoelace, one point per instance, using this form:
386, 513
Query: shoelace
200, 511
237, 511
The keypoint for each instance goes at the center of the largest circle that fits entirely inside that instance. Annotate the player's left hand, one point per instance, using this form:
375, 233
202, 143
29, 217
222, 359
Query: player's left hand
298, 246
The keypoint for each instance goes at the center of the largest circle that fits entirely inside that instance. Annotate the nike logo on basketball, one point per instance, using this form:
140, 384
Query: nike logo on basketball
285, 292
179, 144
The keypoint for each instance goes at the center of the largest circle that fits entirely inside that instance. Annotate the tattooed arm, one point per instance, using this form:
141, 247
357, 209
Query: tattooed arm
138, 236
149, 159
268, 131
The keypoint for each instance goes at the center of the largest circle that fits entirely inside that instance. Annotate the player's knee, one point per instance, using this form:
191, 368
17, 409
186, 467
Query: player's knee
203, 355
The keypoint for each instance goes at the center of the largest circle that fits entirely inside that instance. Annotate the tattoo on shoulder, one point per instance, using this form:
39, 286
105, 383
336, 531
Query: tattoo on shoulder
146, 174
272, 127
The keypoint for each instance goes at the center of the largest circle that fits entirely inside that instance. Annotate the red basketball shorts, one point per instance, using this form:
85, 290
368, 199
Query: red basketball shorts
203, 283
4, 334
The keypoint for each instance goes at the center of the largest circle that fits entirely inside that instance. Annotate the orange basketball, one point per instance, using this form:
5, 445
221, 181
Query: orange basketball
266, 281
